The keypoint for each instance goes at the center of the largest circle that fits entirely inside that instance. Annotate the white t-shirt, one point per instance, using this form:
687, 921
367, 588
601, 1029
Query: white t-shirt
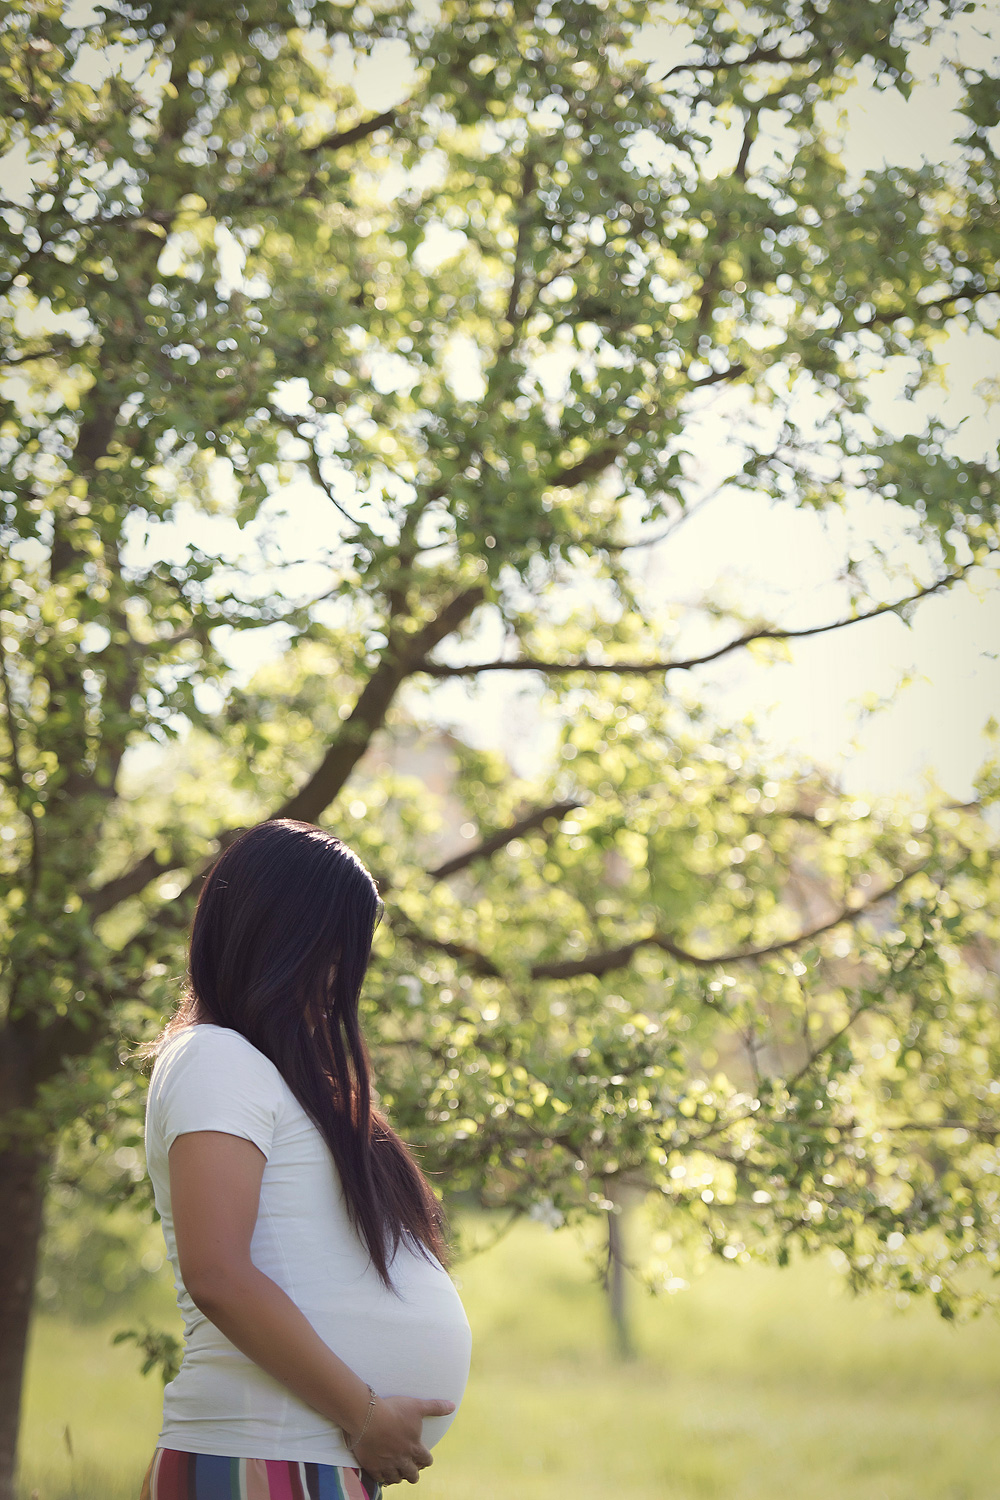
418, 1343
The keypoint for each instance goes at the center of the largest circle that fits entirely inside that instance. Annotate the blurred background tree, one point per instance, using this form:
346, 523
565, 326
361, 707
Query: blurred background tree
484, 325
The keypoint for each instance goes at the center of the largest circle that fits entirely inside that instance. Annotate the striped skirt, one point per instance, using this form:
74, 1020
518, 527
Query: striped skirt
173, 1475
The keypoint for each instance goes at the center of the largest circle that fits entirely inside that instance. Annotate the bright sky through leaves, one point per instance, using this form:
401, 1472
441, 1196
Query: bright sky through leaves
821, 700
674, 960
744, 551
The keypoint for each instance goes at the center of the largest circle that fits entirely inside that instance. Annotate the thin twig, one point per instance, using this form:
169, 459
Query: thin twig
582, 664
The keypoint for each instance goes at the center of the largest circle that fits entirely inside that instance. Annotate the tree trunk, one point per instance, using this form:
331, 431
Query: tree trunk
23, 1178
617, 1284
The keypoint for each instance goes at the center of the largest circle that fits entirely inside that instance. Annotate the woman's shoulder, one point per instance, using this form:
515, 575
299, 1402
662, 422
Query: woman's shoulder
215, 1044
210, 1077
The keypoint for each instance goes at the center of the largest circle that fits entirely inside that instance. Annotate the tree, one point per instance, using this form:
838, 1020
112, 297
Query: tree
220, 275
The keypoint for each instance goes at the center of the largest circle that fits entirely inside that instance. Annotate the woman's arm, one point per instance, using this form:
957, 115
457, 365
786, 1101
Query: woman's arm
215, 1183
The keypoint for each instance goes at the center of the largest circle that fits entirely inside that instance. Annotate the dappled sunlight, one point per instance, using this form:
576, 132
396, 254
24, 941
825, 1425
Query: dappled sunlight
550, 447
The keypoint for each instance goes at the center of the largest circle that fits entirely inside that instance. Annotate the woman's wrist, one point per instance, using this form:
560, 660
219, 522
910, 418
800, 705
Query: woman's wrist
361, 1431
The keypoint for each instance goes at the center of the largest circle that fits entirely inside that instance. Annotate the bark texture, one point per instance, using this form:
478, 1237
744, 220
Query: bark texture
618, 1285
23, 1178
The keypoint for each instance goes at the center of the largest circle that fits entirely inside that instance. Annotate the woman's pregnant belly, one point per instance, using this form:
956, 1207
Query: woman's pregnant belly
415, 1344
421, 1350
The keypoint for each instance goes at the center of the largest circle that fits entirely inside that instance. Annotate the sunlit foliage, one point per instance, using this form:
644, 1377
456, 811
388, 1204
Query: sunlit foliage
484, 324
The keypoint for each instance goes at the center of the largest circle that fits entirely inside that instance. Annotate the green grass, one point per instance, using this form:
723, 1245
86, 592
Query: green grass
753, 1385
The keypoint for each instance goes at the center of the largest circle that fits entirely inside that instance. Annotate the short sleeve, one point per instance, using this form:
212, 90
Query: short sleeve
211, 1078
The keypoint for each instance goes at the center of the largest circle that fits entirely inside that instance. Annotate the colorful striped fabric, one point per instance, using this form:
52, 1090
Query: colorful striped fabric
173, 1475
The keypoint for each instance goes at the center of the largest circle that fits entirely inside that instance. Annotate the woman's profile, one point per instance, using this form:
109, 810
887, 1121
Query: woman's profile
326, 1348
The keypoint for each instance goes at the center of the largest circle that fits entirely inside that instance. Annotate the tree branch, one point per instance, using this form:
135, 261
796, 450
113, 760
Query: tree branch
598, 459
649, 668
313, 464
731, 372
400, 659
749, 136
131, 882
475, 961
599, 963
355, 133
673, 526
9, 362
523, 227
616, 958
969, 294
824, 1047
587, 467
406, 553
403, 656
716, 65
502, 838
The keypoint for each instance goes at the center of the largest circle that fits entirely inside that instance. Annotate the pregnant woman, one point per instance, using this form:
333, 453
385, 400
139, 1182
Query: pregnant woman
326, 1348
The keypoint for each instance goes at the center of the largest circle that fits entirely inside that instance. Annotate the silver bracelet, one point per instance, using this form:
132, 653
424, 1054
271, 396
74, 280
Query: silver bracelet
371, 1408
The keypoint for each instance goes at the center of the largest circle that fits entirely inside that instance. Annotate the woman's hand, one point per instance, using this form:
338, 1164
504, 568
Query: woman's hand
392, 1449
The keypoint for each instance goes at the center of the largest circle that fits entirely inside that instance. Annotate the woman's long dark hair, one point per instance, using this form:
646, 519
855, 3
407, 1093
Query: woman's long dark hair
282, 936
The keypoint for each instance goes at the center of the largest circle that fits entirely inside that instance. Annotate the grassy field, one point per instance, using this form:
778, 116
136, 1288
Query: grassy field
752, 1385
